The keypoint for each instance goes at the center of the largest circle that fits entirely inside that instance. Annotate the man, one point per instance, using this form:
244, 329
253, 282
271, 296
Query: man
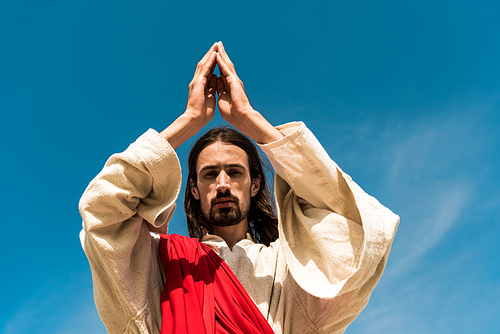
316, 277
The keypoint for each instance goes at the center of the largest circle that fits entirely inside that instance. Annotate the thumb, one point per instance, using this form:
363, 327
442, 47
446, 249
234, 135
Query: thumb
223, 99
221, 86
223, 103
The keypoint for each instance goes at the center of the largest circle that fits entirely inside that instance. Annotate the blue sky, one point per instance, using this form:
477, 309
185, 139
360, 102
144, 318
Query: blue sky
404, 95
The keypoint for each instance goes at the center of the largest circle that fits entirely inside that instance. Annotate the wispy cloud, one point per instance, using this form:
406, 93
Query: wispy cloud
423, 231
440, 169
433, 166
429, 301
406, 305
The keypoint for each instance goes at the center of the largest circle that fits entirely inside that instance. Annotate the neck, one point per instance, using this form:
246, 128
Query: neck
232, 234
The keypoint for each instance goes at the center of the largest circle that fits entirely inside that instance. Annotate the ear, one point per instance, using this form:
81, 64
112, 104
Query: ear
194, 190
254, 188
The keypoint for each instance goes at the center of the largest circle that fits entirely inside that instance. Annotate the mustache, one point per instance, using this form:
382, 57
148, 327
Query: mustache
226, 194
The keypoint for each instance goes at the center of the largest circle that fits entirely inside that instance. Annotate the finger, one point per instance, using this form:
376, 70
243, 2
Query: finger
213, 48
224, 54
223, 66
208, 67
212, 69
207, 60
221, 87
210, 95
212, 85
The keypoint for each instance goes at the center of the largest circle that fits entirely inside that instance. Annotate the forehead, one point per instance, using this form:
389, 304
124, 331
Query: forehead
219, 154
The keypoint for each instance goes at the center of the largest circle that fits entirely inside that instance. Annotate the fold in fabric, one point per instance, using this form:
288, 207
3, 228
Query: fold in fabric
202, 295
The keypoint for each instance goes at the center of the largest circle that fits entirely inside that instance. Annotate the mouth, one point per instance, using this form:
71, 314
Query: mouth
223, 202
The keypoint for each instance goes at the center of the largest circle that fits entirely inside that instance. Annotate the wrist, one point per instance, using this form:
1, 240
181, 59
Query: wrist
183, 128
257, 127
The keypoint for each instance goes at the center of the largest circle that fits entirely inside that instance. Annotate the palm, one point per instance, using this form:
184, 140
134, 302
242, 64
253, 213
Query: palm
201, 101
202, 90
233, 101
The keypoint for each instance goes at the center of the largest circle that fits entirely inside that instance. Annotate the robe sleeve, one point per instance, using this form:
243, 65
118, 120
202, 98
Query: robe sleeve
335, 238
135, 192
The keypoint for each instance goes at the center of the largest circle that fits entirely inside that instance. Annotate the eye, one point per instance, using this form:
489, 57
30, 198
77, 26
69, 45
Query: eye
234, 172
210, 174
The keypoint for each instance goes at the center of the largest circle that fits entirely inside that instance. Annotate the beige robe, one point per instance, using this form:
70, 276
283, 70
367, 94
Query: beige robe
333, 244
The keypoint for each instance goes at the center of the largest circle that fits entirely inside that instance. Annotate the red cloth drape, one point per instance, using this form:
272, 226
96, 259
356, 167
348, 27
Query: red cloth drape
201, 294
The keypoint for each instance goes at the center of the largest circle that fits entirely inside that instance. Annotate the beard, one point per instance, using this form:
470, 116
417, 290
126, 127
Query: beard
226, 216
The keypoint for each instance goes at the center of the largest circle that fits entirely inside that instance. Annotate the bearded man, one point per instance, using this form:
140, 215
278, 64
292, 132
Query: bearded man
310, 269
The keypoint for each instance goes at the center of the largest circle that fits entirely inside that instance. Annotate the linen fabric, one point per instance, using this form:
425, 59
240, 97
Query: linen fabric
334, 239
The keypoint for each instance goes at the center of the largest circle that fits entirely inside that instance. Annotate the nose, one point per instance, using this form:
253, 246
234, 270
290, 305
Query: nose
223, 182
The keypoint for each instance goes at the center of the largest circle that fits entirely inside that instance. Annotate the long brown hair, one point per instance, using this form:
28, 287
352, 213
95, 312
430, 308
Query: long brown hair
262, 220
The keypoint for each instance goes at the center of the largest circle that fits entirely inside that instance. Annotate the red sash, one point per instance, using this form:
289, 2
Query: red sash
202, 295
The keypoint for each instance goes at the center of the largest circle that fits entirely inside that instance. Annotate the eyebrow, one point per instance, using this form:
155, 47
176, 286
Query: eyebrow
224, 166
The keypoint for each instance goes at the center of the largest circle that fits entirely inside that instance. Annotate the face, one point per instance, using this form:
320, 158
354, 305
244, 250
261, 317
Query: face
224, 187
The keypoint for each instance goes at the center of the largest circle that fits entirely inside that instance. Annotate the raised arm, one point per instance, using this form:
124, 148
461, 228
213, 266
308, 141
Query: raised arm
334, 238
200, 106
134, 194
